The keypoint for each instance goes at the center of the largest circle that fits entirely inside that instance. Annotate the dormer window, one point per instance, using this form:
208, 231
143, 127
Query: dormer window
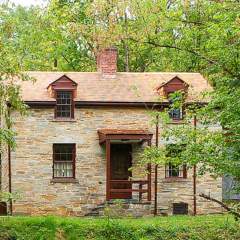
64, 90
176, 114
64, 104
175, 109
168, 90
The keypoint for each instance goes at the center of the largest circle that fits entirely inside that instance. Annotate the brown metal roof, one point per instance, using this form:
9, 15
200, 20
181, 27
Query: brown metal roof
124, 131
123, 134
125, 87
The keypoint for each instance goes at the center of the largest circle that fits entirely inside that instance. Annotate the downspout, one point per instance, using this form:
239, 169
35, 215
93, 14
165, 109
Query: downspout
9, 171
10, 180
156, 169
194, 177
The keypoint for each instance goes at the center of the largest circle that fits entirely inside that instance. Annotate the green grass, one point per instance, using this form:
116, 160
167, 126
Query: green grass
211, 227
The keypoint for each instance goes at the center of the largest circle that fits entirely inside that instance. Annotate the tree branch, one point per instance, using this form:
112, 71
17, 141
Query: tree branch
236, 214
70, 63
210, 61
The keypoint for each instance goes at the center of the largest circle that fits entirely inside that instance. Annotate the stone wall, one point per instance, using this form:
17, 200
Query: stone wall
181, 190
32, 163
4, 182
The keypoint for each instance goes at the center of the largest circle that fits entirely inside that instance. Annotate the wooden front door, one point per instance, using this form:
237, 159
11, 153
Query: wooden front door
121, 161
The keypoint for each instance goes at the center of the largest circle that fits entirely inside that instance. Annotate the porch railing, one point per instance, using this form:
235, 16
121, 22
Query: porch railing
139, 189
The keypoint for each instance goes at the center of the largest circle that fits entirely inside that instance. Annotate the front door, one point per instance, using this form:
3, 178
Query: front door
121, 161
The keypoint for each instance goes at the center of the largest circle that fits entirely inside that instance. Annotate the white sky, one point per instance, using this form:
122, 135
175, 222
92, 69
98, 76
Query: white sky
27, 3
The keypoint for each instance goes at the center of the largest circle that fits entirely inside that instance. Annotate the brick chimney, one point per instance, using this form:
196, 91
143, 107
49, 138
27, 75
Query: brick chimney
107, 62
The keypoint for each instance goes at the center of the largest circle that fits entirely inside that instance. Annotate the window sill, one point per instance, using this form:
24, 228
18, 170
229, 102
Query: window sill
177, 121
175, 179
64, 120
64, 180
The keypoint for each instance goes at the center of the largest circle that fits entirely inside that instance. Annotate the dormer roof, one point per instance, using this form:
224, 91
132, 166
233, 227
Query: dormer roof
62, 83
173, 85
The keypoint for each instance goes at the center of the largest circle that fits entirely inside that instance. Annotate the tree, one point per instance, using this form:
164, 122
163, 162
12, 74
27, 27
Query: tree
198, 36
10, 92
10, 70
203, 144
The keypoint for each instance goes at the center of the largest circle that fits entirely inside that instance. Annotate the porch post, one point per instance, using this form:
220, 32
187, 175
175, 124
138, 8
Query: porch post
149, 175
108, 169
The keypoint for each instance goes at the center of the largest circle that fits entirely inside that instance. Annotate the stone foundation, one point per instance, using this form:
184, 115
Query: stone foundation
121, 208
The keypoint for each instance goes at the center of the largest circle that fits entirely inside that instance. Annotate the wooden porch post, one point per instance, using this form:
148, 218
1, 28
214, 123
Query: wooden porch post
108, 169
149, 175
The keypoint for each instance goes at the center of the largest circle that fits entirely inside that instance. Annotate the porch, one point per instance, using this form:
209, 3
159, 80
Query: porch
120, 183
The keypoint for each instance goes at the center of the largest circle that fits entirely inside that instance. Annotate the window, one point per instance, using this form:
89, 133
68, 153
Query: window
175, 114
172, 171
64, 160
175, 111
64, 105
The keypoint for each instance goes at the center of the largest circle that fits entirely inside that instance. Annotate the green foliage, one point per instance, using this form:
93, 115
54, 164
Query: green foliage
178, 227
114, 210
205, 145
6, 196
199, 36
151, 35
10, 70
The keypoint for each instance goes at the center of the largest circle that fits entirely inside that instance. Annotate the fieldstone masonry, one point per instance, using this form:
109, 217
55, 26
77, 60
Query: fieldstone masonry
32, 164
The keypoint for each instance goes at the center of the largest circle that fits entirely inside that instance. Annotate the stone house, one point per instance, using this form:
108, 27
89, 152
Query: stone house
83, 132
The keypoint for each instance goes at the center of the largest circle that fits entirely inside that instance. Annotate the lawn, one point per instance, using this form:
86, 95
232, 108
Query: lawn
211, 227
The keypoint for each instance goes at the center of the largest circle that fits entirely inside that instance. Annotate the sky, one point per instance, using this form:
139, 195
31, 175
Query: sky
27, 3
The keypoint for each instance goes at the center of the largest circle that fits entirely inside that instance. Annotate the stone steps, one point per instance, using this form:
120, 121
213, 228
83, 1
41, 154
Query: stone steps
94, 212
126, 207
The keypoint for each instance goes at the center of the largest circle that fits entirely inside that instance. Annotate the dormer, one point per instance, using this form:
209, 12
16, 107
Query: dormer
173, 85
64, 90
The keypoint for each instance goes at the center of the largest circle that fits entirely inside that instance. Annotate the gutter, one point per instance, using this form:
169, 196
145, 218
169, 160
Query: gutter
78, 104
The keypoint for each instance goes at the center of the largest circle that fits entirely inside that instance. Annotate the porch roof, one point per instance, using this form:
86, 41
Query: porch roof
123, 134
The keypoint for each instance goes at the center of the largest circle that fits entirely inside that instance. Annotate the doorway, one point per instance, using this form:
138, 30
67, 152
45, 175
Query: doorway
121, 161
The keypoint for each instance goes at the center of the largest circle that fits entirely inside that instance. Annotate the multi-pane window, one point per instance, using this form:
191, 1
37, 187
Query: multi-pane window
172, 170
175, 114
64, 160
64, 104
175, 111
